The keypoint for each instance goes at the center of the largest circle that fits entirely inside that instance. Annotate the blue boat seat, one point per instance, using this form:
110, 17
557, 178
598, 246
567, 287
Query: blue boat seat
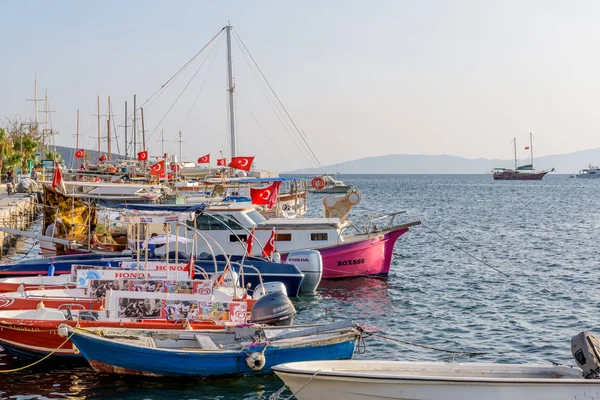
205, 342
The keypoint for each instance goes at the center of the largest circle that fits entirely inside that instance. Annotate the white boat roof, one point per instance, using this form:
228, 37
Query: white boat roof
300, 223
120, 190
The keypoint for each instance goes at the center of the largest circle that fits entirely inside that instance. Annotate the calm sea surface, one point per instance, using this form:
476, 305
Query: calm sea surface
544, 235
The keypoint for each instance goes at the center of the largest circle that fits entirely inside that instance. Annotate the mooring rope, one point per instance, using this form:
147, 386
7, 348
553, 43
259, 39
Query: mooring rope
471, 353
41, 359
464, 251
275, 396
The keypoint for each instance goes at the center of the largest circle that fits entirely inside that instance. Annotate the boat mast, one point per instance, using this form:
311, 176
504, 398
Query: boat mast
515, 144
230, 90
531, 149
108, 134
98, 101
126, 144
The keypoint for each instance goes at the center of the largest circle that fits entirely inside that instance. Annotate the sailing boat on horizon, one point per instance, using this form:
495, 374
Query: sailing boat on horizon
523, 172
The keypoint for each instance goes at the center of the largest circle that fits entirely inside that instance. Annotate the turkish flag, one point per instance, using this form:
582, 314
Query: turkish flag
266, 195
191, 267
102, 157
250, 243
221, 162
175, 167
269, 246
204, 159
143, 156
158, 168
526, 147
82, 167
79, 153
57, 180
243, 163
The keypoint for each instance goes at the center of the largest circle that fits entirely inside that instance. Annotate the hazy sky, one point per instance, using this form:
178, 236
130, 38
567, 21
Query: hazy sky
360, 78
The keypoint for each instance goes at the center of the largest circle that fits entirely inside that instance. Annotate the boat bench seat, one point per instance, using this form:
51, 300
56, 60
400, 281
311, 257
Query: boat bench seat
205, 342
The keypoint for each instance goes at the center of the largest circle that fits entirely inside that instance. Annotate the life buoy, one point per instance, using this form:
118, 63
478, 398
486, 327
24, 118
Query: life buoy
318, 183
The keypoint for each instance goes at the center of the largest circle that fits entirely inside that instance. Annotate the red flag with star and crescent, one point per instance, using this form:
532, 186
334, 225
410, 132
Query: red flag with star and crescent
158, 168
79, 153
221, 162
143, 156
266, 195
243, 163
102, 157
250, 243
204, 159
269, 246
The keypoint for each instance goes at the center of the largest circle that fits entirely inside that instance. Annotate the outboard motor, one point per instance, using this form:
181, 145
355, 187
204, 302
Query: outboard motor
585, 348
273, 309
268, 287
310, 263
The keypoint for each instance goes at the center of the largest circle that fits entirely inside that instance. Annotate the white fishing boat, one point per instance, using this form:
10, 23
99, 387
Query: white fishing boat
376, 379
592, 172
326, 184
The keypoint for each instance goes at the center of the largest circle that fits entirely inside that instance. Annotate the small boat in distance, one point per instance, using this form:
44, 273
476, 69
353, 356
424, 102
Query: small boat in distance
592, 172
523, 172
326, 184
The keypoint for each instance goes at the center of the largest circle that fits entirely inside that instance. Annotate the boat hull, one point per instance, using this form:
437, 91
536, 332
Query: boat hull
421, 384
32, 339
515, 176
369, 256
108, 356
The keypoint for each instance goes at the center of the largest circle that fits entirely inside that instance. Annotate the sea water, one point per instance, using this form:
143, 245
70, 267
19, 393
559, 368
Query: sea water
442, 292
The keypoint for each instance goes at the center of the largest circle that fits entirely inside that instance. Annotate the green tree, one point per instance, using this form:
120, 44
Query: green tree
6, 149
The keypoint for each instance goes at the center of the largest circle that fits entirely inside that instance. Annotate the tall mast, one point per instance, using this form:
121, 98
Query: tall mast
98, 101
531, 149
108, 138
230, 90
126, 117
35, 100
134, 126
180, 147
515, 143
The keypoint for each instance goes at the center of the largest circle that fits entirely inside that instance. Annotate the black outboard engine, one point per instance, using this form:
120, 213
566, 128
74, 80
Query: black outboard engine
273, 309
586, 351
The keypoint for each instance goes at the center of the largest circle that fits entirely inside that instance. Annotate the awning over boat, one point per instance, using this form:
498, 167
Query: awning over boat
528, 167
258, 180
183, 208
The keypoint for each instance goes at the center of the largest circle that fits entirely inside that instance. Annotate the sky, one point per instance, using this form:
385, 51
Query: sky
358, 78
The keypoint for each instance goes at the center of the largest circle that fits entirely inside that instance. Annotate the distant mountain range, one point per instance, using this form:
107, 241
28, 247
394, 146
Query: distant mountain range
444, 164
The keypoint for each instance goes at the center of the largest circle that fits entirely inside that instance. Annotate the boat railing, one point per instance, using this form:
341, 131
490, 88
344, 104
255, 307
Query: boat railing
369, 225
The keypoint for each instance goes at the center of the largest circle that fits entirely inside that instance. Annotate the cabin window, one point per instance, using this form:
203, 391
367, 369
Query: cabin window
238, 238
283, 237
318, 236
217, 222
256, 216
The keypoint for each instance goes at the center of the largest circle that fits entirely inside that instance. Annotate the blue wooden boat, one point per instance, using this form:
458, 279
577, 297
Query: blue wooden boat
250, 350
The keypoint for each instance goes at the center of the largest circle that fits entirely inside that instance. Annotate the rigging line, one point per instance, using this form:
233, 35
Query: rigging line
278, 113
281, 104
164, 85
282, 120
464, 251
181, 69
263, 129
178, 97
217, 48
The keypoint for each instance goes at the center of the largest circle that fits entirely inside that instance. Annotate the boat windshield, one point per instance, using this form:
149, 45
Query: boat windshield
255, 216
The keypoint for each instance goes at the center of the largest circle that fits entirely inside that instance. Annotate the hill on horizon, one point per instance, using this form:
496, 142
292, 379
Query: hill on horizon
445, 164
